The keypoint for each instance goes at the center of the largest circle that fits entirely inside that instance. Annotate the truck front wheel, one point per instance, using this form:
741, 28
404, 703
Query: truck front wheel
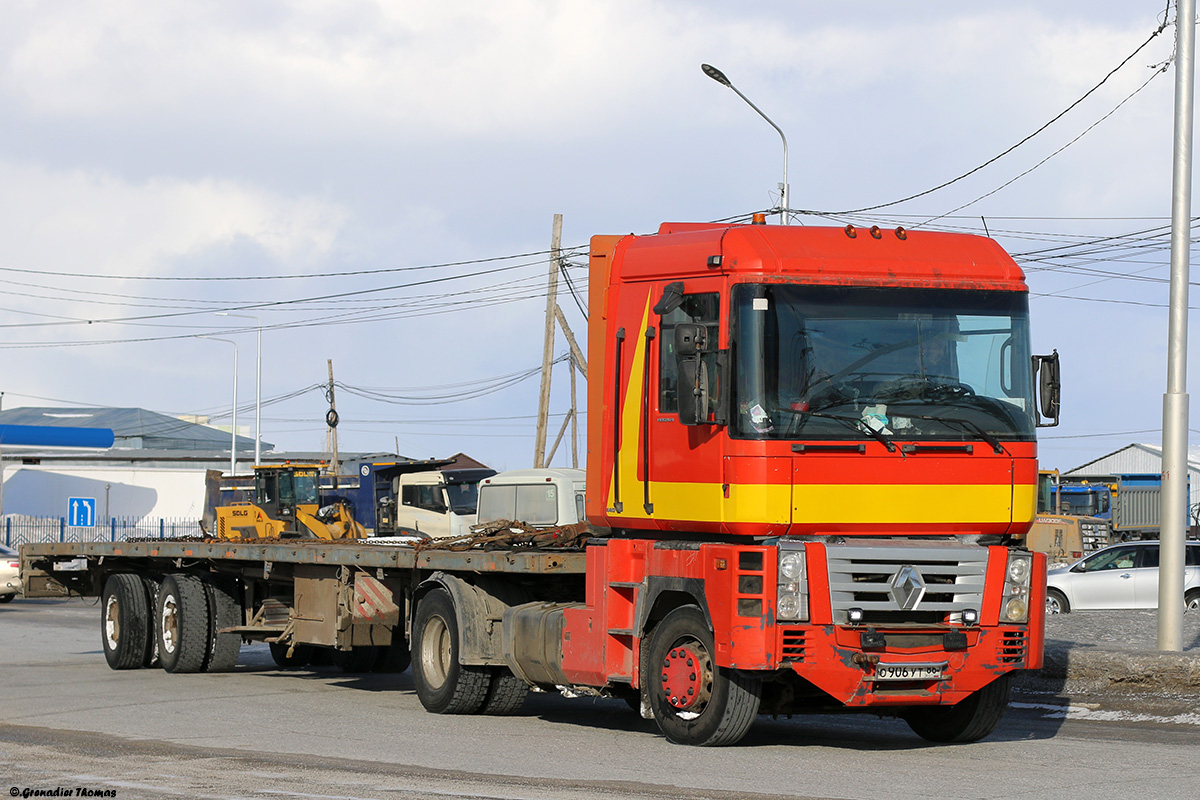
125, 618
181, 624
968, 721
694, 701
443, 685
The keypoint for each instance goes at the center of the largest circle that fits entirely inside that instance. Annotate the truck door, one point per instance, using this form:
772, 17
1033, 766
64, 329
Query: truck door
423, 507
681, 465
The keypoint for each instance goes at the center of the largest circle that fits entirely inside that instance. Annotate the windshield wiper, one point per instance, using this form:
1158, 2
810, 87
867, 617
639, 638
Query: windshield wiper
854, 424
997, 448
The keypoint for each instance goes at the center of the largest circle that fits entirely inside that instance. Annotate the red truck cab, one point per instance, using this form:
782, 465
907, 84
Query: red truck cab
816, 450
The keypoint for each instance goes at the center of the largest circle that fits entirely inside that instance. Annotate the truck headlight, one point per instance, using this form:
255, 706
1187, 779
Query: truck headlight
791, 566
1014, 606
792, 598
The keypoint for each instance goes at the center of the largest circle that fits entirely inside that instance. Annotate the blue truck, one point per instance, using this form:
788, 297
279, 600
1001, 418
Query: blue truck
1128, 503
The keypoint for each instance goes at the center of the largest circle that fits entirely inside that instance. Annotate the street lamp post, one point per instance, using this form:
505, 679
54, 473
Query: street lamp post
257, 385
233, 437
720, 78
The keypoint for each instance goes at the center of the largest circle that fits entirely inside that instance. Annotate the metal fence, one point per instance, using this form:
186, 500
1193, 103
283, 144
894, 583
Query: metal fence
19, 530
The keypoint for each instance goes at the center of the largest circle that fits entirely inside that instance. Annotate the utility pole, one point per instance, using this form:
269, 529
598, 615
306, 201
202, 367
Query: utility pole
574, 421
1173, 511
331, 419
539, 453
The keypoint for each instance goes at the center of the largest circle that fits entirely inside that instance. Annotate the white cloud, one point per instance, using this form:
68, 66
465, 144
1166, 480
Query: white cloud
92, 222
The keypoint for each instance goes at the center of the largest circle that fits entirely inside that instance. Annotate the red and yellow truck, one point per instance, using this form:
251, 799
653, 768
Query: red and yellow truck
812, 453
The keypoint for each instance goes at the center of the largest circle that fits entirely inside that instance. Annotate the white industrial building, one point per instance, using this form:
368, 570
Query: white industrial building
1133, 459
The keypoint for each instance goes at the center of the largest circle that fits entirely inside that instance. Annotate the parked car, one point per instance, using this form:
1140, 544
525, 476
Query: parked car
1121, 576
10, 574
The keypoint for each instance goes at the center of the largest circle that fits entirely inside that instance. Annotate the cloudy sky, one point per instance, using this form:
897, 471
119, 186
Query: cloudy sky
376, 182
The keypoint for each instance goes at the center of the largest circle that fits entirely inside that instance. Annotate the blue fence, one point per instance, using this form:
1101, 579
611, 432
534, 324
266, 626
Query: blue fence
27, 530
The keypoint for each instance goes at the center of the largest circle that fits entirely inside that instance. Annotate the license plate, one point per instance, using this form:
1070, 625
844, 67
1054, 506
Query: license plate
908, 672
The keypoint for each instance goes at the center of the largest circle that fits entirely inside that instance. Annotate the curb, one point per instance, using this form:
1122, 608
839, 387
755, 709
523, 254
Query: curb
1073, 669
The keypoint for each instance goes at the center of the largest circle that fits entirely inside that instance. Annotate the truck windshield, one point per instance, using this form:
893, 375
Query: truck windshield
818, 362
464, 497
1084, 504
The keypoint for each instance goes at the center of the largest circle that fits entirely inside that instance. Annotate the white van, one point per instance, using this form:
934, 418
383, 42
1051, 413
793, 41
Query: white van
542, 498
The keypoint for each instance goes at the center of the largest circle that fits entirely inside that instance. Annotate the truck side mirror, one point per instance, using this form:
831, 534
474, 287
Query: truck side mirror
690, 342
1049, 388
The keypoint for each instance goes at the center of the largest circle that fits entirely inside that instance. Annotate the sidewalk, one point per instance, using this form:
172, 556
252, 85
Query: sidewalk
1116, 653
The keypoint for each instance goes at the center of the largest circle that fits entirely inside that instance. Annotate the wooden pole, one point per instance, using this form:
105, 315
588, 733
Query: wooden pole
539, 453
331, 420
574, 421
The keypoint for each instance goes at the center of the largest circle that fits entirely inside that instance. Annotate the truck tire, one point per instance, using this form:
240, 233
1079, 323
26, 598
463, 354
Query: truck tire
506, 694
301, 654
443, 685
124, 620
181, 623
1056, 602
356, 661
394, 658
968, 721
151, 587
224, 611
694, 701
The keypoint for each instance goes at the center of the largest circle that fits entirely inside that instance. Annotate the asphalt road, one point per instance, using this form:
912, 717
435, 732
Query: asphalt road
67, 721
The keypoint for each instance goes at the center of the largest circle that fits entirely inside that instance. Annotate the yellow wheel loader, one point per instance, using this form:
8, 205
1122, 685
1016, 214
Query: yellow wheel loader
286, 504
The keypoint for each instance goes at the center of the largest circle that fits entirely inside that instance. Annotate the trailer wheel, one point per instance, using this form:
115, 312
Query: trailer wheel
301, 654
124, 620
968, 721
224, 611
1056, 602
694, 701
181, 623
443, 685
152, 587
506, 694
357, 661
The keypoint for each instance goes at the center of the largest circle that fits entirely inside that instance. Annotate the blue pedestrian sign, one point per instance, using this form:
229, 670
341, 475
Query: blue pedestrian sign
81, 512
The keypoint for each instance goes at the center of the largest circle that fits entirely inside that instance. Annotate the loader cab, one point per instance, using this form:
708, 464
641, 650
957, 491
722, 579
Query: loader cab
282, 490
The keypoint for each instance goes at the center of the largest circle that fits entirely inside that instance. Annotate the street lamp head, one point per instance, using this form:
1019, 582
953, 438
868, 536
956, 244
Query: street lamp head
716, 75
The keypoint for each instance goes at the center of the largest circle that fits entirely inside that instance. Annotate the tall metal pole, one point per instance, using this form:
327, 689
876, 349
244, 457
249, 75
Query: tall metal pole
257, 385
539, 450
1174, 511
720, 78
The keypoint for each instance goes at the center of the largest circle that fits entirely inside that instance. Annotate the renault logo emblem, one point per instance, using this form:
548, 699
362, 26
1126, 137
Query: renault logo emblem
908, 587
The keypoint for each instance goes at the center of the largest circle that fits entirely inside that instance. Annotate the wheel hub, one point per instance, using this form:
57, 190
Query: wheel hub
685, 679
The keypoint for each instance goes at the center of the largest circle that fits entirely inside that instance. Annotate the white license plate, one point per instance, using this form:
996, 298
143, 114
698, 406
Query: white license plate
908, 672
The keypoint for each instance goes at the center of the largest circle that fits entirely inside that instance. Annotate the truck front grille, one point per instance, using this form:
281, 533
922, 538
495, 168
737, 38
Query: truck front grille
899, 583
794, 642
1012, 647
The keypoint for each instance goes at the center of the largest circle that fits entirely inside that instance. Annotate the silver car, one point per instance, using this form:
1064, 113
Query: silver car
10, 574
1120, 576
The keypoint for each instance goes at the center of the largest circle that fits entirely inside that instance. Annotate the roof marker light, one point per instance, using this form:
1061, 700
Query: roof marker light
849, 229
901, 234
875, 232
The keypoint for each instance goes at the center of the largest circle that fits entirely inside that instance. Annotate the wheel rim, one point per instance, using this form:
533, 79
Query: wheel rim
1192, 603
112, 622
170, 624
1053, 606
435, 652
687, 678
